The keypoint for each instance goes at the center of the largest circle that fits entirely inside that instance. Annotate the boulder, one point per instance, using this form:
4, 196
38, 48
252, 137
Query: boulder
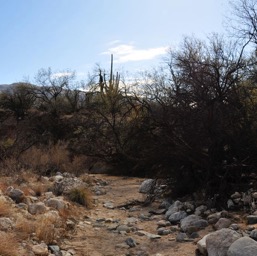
230, 204
123, 228
177, 216
214, 217
163, 223
181, 237
251, 219
222, 223
201, 245
236, 195
253, 234
200, 209
37, 208
65, 185
254, 195
15, 194
163, 231
56, 203
189, 207
40, 249
243, 246
218, 242
175, 207
165, 204
193, 223
6, 224
147, 186
130, 242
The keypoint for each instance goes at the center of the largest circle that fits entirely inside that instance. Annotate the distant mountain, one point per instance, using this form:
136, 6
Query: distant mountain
4, 86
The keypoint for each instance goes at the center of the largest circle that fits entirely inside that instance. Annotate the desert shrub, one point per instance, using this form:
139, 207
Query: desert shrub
10, 165
77, 165
81, 196
39, 189
47, 228
24, 228
5, 208
46, 159
8, 245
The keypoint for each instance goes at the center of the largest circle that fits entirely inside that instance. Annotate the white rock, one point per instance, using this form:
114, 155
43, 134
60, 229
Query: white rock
201, 245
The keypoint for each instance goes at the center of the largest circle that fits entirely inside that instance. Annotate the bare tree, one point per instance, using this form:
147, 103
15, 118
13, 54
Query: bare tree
196, 112
244, 20
50, 88
18, 98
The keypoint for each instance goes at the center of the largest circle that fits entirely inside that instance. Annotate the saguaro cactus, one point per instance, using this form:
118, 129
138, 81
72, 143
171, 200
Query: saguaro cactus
112, 86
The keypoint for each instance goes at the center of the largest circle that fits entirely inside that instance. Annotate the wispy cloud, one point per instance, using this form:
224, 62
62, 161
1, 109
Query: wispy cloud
114, 42
62, 74
128, 52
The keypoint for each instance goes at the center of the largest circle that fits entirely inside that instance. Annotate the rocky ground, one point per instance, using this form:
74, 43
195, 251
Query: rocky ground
38, 218
119, 217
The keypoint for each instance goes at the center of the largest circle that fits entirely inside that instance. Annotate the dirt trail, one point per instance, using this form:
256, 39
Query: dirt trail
93, 236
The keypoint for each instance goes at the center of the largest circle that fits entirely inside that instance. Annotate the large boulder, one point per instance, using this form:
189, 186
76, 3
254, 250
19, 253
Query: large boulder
65, 185
243, 246
193, 223
217, 243
147, 186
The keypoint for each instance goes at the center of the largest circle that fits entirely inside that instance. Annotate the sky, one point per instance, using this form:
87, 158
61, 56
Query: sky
78, 35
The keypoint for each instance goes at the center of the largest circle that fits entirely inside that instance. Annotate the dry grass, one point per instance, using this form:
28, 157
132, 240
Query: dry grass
44, 228
10, 166
5, 208
39, 188
89, 180
24, 228
4, 186
44, 160
8, 245
47, 228
52, 158
77, 165
81, 196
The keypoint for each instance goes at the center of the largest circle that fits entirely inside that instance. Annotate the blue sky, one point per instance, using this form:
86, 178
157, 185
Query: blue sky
78, 34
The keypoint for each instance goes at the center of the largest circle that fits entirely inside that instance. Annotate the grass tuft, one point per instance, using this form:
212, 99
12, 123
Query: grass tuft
81, 196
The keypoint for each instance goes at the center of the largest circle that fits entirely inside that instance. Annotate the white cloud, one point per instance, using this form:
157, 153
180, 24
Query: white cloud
62, 74
127, 52
114, 42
